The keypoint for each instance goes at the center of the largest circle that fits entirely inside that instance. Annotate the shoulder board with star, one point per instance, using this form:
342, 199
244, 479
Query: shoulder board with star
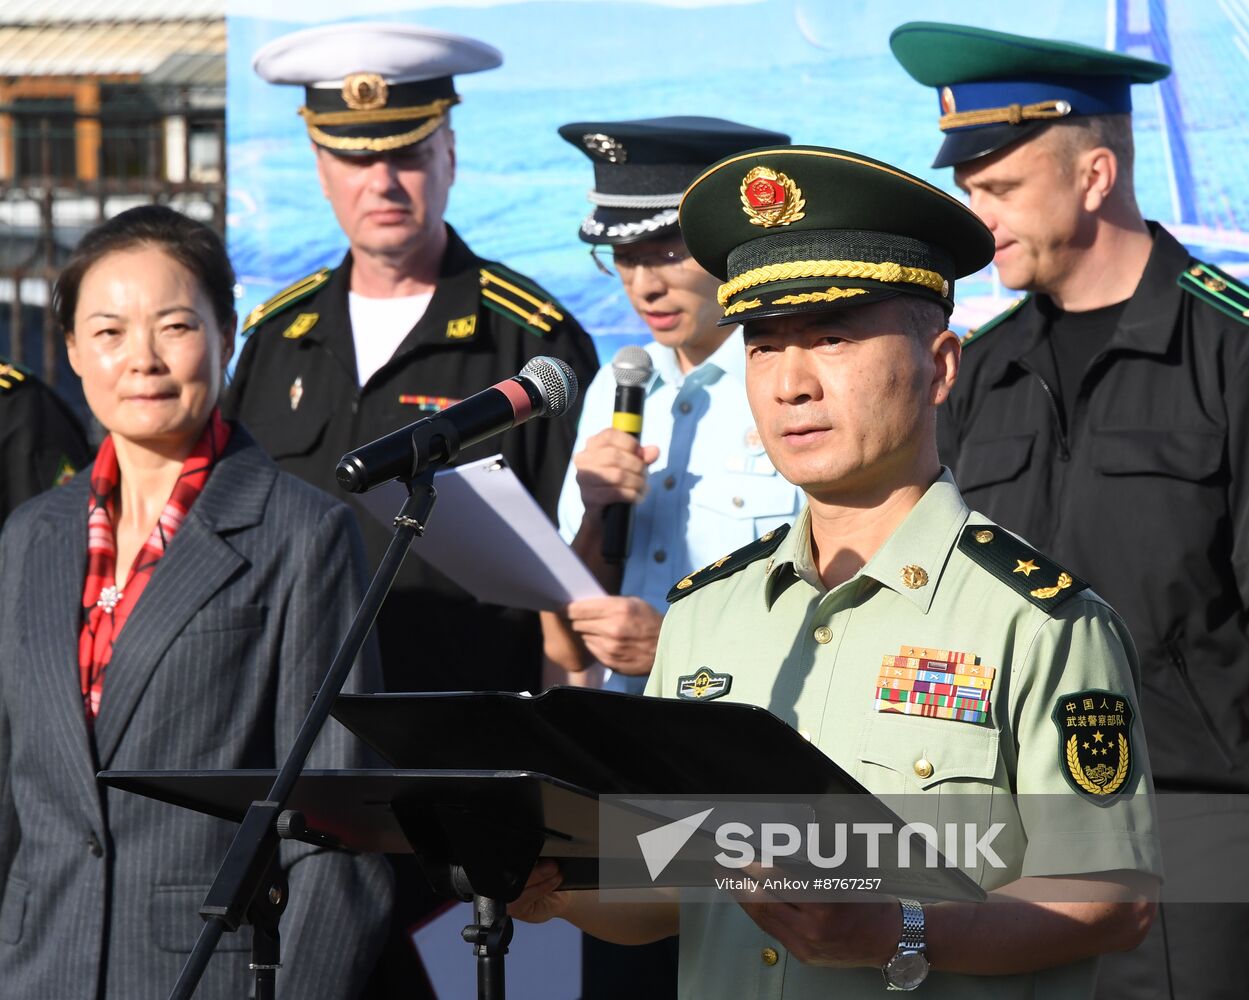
997, 320
765, 545
1017, 564
12, 375
1216, 288
515, 297
286, 298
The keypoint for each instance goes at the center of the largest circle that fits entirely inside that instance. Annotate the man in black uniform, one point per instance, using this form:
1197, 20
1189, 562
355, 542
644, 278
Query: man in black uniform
1105, 417
409, 323
41, 442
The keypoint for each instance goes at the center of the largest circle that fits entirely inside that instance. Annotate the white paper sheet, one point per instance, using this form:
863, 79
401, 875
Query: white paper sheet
490, 536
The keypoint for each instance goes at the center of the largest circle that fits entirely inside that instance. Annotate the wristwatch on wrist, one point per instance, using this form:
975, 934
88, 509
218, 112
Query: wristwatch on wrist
909, 966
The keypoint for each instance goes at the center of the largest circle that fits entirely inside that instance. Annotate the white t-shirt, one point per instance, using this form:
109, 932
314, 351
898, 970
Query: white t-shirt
378, 327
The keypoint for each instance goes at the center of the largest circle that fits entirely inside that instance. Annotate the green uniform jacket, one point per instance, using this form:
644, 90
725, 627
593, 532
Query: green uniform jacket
818, 659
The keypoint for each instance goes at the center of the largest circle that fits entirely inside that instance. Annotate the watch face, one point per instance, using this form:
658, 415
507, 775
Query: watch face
906, 970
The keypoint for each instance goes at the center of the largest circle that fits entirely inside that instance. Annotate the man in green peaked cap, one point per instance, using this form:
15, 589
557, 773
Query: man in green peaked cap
935, 657
1103, 418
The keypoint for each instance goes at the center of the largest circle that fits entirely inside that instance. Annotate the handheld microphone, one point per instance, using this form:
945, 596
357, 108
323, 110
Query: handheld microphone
545, 387
632, 368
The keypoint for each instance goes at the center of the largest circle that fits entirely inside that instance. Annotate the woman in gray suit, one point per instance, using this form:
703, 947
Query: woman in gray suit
175, 606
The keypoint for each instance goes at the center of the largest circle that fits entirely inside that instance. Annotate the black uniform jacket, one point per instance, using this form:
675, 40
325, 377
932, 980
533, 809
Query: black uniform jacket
1146, 496
295, 390
41, 441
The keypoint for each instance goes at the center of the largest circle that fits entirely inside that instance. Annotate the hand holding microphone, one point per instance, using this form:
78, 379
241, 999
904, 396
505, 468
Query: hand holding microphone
611, 471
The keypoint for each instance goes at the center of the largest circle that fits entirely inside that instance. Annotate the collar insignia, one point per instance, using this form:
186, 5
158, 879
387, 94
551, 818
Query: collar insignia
704, 685
1095, 743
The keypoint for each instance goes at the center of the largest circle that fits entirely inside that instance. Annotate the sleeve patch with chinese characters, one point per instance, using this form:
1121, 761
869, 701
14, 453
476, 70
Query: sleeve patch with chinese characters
1217, 288
1095, 743
286, 298
515, 297
730, 564
1018, 565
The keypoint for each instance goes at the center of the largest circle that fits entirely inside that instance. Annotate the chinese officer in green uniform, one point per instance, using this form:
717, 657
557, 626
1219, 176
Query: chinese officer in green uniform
1103, 418
410, 322
923, 648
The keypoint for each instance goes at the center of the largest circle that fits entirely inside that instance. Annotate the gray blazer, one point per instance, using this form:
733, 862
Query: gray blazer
99, 889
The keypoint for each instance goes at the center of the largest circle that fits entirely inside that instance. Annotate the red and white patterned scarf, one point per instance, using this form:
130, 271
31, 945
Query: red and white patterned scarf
105, 605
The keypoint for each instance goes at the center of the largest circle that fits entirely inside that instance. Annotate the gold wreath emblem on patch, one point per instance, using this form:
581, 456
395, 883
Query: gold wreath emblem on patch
1100, 779
771, 199
1045, 593
365, 92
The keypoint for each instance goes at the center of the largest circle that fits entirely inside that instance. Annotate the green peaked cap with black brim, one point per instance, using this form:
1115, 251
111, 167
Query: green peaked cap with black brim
796, 229
995, 88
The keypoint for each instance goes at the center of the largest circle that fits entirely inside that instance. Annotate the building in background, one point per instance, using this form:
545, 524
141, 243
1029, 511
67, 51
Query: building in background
104, 104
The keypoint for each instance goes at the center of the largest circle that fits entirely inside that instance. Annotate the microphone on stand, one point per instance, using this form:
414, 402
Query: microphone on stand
632, 368
545, 387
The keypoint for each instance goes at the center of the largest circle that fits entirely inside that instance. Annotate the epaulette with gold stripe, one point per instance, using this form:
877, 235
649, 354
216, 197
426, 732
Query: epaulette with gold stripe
517, 298
765, 545
1017, 564
287, 297
1217, 288
984, 328
12, 375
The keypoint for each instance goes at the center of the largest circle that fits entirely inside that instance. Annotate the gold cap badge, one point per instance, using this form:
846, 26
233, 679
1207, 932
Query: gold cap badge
771, 199
365, 92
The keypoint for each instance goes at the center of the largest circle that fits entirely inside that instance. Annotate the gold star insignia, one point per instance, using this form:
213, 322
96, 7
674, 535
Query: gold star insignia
1026, 568
1097, 736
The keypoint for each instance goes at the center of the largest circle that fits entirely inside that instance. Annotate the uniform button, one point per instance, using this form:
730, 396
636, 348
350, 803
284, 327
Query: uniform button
670, 482
739, 502
685, 407
923, 767
93, 845
823, 634
769, 956
660, 555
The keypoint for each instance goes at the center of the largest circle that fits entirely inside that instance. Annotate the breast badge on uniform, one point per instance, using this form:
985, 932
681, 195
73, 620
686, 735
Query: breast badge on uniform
937, 683
1095, 743
462, 328
705, 685
301, 325
65, 471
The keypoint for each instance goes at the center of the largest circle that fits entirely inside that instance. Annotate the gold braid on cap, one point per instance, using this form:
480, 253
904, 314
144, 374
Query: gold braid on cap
384, 144
434, 109
1012, 114
885, 272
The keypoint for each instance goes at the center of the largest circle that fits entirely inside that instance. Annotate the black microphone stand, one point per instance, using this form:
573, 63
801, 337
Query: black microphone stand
249, 885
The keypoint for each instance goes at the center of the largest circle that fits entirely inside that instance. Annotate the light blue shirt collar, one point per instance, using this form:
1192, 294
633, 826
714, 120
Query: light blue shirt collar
728, 359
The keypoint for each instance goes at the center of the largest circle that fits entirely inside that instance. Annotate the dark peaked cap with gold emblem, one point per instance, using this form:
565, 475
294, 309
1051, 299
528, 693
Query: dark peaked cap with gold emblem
794, 229
995, 88
642, 167
372, 88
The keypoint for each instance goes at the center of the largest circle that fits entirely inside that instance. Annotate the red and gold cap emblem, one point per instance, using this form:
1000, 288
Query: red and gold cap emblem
770, 198
365, 92
947, 101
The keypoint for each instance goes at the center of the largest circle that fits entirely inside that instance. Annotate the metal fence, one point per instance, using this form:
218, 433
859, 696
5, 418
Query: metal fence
63, 171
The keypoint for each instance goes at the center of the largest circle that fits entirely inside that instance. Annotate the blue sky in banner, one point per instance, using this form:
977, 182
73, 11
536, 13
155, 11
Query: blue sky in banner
818, 69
